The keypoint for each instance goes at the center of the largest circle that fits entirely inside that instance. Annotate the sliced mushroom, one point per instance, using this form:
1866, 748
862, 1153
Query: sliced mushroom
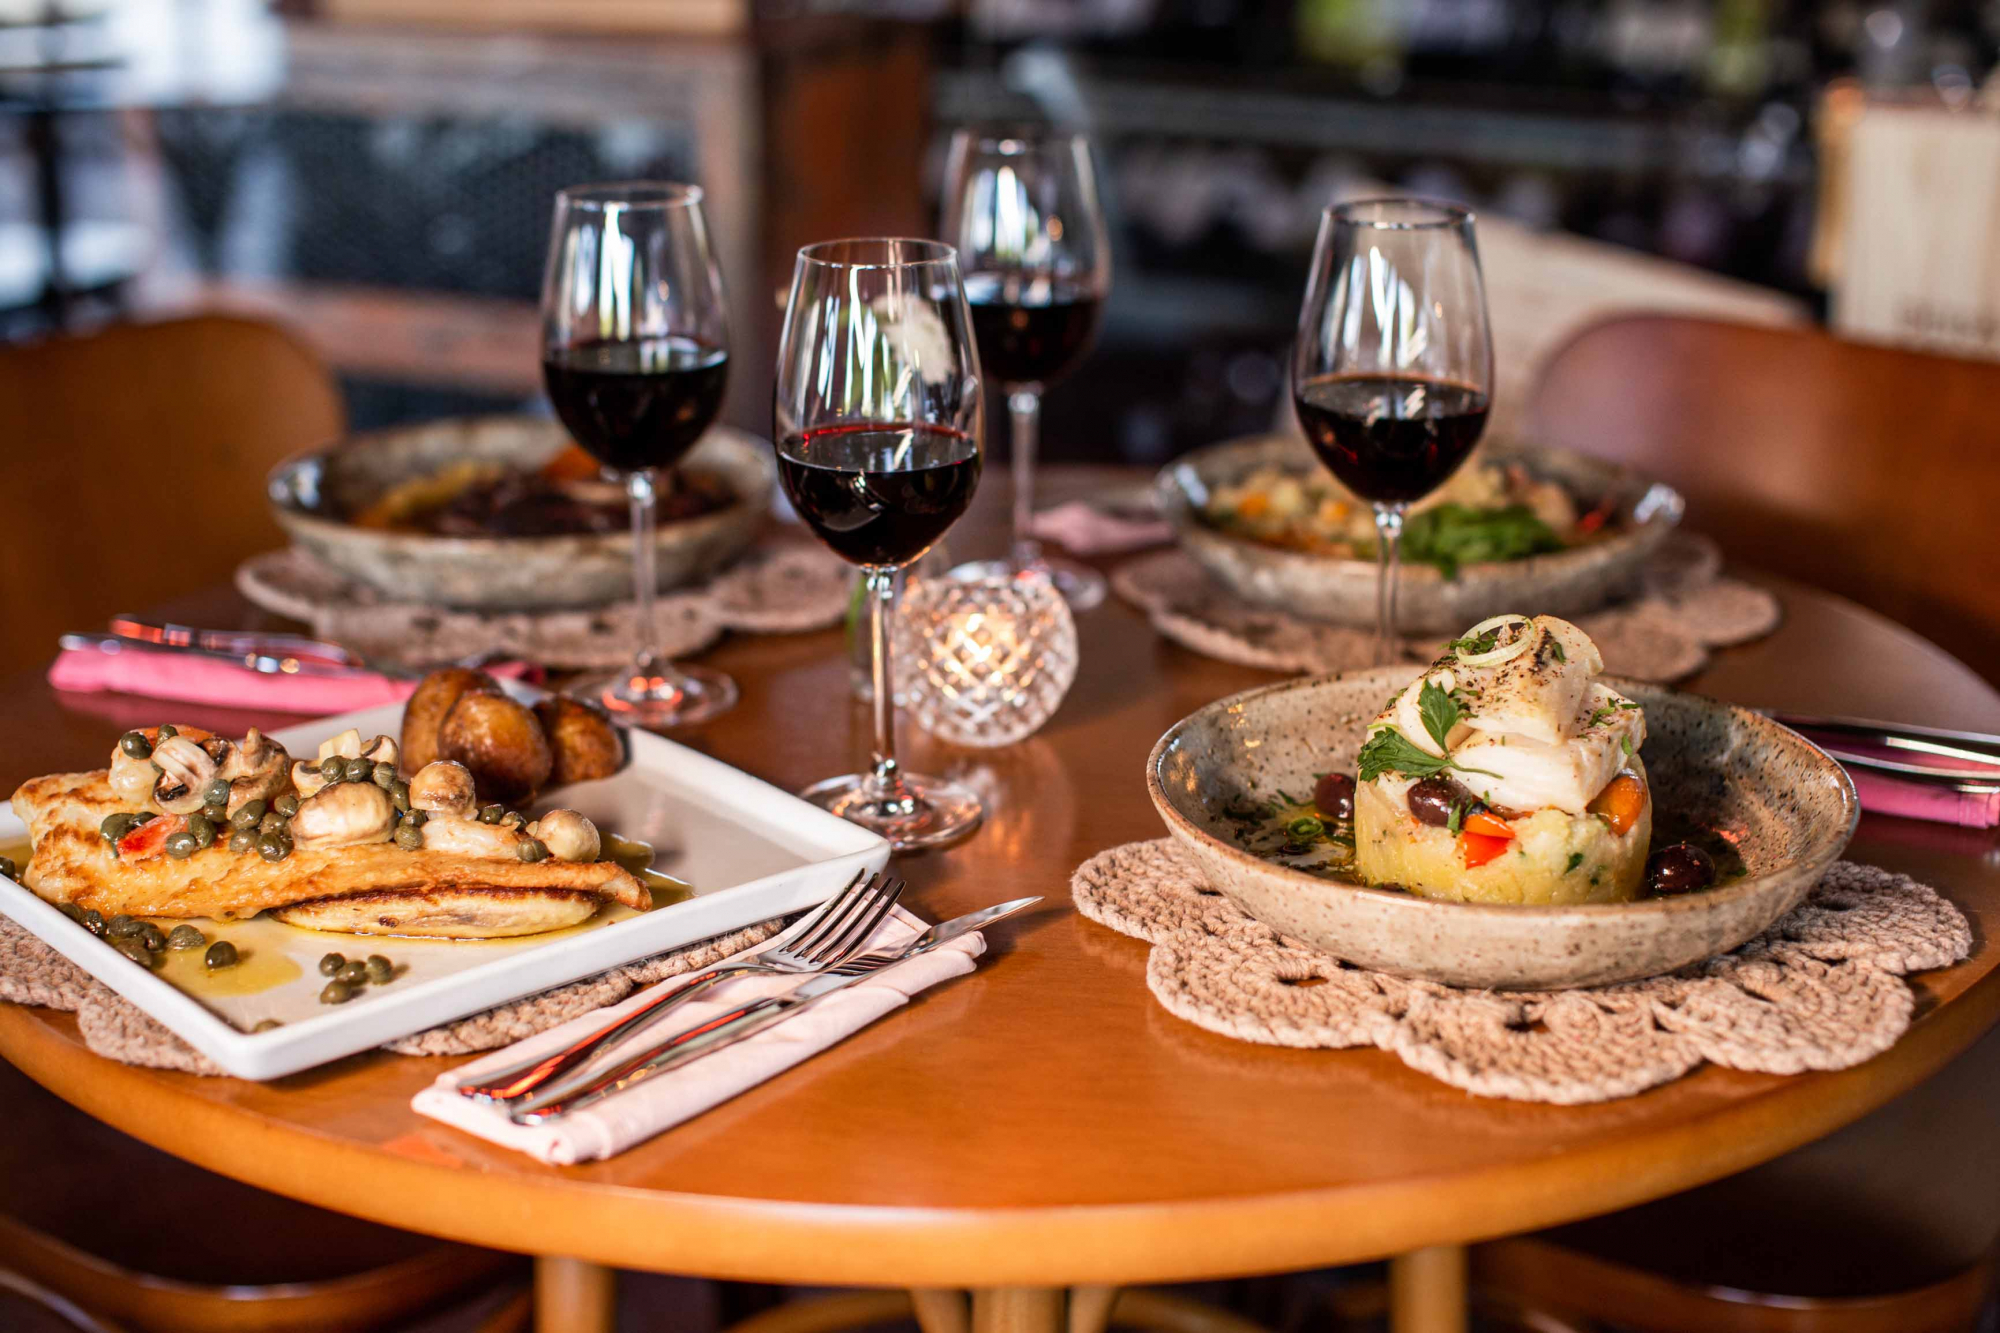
469, 837
347, 745
381, 750
444, 788
255, 770
308, 779
186, 769
567, 835
344, 815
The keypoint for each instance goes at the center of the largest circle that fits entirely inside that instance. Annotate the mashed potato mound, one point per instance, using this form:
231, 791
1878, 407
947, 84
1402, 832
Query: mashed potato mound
1555, 858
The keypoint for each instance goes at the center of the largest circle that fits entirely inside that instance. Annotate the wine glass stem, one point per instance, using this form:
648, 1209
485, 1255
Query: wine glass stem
1024, 411
885, 779
641, 487
1388, 555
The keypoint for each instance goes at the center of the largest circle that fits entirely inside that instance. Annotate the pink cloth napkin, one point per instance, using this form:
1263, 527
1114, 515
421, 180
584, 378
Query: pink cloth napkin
187, 678
1885, 795
617, 1123
1087, 530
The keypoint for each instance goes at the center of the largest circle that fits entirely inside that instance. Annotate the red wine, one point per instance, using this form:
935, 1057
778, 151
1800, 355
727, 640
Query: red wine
637, 404
1390, 438
1029, 343
879, 494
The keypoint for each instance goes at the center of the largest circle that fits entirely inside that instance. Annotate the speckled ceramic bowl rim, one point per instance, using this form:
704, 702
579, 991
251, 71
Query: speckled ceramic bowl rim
1179, 823
1184, 513
277, 489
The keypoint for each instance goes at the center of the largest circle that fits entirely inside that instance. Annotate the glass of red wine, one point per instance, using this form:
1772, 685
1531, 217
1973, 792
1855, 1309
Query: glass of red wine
877, 428
1021, 206
635, 354
1393, 368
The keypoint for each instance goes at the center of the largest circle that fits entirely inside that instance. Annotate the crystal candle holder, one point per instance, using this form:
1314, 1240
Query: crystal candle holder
984, 660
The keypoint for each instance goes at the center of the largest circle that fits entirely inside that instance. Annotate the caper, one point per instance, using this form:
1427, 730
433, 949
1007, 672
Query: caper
72, 911
216, 793
513, 819
217, 815
202, 829
416, 818
117, 826
143, 817
490, 814
286, 805
248, 815
332, 767
135, 744
356, 770
182, 845
533, 849
353, 972
135, 950
330, 965
272, 822
273, 847
266, 1025
166, 731
243, 840
9, 868
185, 937
409, 837
380, 970
93, 921
399, 795
152, 937
220, 954
336, 992
383, 776
120, 926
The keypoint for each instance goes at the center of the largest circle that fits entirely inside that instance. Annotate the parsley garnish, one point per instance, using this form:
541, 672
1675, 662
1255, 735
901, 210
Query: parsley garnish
1390, 751
1484, 643
1575, 860
1625, 744
1556, 650
1455, 820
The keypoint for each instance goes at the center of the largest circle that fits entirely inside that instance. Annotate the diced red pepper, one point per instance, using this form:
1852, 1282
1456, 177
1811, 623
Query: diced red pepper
1489, 824
150, 838
1479, 848
1620, 802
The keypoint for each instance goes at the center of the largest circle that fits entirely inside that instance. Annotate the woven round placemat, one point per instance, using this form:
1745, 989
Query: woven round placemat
1821, 989
1687, 608
32, 973
785, 584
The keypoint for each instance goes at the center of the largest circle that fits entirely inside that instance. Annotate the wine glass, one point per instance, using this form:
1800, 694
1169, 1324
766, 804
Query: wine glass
635, 353
1392, 373
1022, 208
877, 429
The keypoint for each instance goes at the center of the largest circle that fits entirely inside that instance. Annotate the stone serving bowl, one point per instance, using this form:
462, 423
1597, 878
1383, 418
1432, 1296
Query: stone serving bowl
1566, 583
313, 493
1787, 807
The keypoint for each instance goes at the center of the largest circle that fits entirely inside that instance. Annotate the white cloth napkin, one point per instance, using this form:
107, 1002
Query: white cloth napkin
615, 1124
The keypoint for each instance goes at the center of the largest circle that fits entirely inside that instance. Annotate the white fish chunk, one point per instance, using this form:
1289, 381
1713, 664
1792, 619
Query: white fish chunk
1516, 772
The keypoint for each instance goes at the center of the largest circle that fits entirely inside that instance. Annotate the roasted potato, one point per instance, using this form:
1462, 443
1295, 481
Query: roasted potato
425, 712
500, 741
582, 740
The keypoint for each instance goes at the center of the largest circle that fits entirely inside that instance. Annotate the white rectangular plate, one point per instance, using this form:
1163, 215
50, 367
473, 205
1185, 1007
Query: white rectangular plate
750, 851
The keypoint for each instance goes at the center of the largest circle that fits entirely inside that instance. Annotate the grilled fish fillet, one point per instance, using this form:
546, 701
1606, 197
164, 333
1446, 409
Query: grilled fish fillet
378, 888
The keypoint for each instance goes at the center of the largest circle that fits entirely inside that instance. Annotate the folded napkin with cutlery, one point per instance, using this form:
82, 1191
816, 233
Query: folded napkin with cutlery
611, 1126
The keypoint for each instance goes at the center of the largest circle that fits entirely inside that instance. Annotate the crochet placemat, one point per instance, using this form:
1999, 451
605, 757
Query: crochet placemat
33, 973
1821, 989
784, 584
1687, 608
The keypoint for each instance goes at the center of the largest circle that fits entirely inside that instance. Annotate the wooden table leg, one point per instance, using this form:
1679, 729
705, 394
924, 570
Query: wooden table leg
572, 1296
1019, 1310
1427, 1291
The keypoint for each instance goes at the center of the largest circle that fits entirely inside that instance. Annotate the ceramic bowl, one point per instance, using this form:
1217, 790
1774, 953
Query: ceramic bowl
1787, 807
1566, 583
310, 495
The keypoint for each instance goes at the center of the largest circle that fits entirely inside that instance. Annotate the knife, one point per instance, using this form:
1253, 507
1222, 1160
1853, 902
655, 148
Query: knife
262, 663
1964, 761
236, 643
748, 1020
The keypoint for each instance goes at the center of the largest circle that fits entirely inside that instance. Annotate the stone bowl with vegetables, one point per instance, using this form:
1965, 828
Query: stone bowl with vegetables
1518, 525
1267, 791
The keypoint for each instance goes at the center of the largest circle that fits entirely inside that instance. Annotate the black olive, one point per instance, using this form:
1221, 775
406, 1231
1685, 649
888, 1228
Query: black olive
1681, 867
1431, 801
1334, 795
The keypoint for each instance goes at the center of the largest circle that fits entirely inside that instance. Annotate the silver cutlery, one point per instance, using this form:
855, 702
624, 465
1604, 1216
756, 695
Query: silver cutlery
830, 935
235, 643
267, 654
1974, 756
745, 1021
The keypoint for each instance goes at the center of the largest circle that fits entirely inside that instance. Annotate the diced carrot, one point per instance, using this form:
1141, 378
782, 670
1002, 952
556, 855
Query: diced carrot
1479, 848
1253, 505
150, 838
1488, 825
571, 464
1620, 802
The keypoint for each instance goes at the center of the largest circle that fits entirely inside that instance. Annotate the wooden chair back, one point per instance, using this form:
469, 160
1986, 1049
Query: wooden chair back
135, 468
1868, 471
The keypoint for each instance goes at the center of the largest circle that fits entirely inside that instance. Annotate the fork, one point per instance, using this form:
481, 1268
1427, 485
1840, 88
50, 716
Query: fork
824, 938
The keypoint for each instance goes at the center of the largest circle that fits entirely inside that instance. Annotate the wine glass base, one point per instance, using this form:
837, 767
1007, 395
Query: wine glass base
932, 812
1081, 586
692, 695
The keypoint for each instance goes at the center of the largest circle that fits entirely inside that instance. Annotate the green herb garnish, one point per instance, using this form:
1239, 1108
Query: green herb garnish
1575, 860
1390, 751
1625, 744
1556, 650
1451, 535
1455, 819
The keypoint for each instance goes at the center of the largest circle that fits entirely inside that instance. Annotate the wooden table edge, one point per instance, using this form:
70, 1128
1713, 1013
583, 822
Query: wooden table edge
842, 1245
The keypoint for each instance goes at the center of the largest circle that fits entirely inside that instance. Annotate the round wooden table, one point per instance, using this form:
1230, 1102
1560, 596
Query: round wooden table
1041, 1131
